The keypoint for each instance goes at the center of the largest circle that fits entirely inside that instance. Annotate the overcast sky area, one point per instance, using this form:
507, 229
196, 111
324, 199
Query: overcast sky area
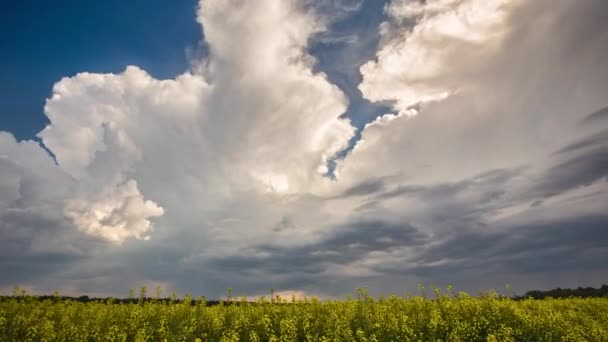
308, 146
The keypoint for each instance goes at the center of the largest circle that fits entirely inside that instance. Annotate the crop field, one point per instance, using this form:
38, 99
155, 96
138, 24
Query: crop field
449, 317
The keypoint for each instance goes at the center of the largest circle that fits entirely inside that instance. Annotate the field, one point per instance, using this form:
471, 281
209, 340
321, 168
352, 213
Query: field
449, 317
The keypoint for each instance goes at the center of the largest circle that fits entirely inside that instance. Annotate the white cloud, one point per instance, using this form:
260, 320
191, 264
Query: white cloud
448, 37
507, 75
116, 215
264, 87
253, 121
85, 108
230, 156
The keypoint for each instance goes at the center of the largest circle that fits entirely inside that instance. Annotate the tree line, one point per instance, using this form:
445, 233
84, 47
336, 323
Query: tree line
580, 292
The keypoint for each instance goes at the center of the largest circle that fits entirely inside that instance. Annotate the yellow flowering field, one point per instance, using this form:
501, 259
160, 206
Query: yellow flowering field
451, 317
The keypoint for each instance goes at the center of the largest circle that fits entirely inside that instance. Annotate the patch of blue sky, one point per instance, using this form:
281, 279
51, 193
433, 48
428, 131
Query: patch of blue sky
43, 41
350, 41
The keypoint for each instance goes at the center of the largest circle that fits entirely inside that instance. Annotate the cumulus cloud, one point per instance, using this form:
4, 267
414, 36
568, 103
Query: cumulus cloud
508, 109
425, 40
115, 216
117, 135
217, 178
211, 152
34, 237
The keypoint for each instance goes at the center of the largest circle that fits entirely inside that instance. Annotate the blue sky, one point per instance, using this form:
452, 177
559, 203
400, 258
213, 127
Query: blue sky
187, 145
44, 41
157, 35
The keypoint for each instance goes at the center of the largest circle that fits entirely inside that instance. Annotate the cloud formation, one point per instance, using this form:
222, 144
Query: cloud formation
424, 41
492, 160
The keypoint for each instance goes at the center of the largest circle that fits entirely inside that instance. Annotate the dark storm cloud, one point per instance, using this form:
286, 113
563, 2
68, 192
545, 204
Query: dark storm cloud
20, 265
562, 245
577, 164
576, 169
595, 140
601, 115
365, 188
36, 243
457, 204
556, 245
350, 243
486, 180
364, 237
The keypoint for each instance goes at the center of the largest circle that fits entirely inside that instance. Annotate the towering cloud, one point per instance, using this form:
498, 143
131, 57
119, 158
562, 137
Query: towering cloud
220, 125
217, 178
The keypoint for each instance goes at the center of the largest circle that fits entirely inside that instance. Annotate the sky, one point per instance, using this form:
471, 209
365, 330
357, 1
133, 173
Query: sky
307, 146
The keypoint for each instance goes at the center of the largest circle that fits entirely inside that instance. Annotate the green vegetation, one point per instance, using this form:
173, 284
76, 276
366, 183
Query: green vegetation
446, 317
565, 293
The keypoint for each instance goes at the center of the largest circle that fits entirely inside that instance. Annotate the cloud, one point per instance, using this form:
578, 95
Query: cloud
580, 170
480, 162
115, 216
447, 37
277, 87
577, 243
595, 140
365, 188
337, 254
226, 120
192, 156
508, 109
217, 177
35, 240
599, 115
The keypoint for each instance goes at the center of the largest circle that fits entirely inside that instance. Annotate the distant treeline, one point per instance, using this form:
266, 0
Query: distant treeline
108, 300
580, 292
